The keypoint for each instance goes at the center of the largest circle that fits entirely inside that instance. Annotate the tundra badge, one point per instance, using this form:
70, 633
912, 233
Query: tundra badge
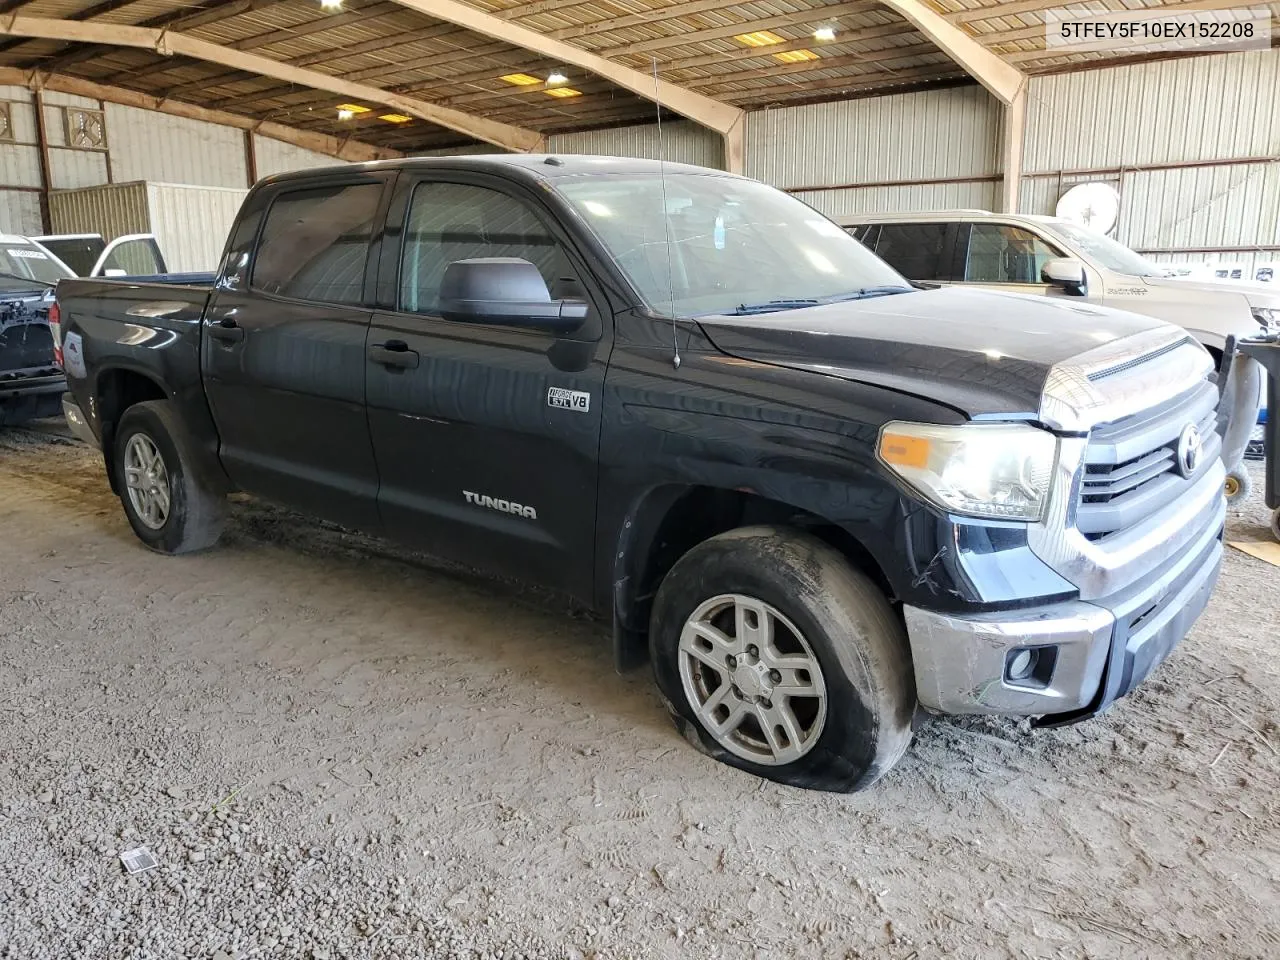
577, 400
502, 506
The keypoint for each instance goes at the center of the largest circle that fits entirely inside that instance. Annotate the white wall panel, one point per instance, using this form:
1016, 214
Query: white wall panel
682, 142
154, 146
54, 99
20, 212
275, 156
925, 196
191, 224
1161, 112
19, 165
952, 132
55, 125
69, 168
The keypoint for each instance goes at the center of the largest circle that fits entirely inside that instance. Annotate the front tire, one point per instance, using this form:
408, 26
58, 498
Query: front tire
170, 505
774, 655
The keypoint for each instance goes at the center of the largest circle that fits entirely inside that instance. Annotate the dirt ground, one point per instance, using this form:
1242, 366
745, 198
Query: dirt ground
336, 749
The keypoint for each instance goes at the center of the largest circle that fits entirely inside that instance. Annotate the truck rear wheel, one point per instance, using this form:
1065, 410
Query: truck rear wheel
170, 506
776, 656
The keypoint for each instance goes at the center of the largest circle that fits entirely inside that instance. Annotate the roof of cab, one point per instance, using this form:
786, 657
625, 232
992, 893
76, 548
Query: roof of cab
542, 166
919, 216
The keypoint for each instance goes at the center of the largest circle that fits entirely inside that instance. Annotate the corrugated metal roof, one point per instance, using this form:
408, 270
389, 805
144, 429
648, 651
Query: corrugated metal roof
382, 43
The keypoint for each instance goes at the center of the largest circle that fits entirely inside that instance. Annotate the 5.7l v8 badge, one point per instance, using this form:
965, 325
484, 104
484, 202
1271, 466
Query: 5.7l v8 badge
576, 400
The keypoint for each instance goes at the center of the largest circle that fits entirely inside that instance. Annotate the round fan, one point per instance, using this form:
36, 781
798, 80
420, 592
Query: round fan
1095, 205
6, 131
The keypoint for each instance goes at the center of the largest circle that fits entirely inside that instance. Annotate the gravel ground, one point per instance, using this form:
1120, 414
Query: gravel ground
336, 749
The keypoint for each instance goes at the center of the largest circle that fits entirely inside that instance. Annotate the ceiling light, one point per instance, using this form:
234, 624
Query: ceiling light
330, 5
824, 33
353, 108
394, 117
563, 92
521, 79
345, 114
557, 78
795, 56
761, 38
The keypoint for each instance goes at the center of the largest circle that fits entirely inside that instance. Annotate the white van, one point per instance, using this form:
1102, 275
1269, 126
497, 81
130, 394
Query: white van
1054, 257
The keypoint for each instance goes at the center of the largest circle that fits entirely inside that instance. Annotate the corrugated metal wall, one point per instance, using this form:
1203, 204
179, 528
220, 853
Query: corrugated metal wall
155, 146
20, 167
1192, 146
682, 142
274, 156
870, 147
191, 224
112, 211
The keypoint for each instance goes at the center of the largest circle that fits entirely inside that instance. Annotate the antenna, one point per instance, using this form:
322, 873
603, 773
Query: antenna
666, 222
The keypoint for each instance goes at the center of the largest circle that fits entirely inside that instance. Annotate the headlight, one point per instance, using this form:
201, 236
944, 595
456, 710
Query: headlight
999, 470
1268, 318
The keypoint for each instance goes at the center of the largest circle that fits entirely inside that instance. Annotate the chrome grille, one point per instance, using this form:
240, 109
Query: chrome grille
1129, 465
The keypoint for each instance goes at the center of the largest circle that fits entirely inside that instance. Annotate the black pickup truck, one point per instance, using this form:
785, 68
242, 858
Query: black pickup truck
816, 498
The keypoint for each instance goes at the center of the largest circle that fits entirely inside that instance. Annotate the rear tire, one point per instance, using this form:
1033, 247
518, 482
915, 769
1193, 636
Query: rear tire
1275, 523
170, 505
846, 723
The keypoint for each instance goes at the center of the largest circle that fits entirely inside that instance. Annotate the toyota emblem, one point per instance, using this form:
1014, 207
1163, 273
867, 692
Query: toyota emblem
1190, 446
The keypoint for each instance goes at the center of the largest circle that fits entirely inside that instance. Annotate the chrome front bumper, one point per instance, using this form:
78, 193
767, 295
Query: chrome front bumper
1096, 651
76, 421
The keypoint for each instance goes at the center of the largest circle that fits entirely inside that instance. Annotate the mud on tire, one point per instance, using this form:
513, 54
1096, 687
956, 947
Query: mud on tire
196, 510
857, 638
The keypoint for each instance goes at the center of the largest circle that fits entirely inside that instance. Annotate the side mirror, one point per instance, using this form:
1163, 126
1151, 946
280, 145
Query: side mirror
506, 291
1066, 273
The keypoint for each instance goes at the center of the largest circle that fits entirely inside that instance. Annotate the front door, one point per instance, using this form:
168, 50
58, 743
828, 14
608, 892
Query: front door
284, 352
486, 437
1000, 256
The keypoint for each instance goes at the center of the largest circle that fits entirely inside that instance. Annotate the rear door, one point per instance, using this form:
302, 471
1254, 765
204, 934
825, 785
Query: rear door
284, 341
486, 437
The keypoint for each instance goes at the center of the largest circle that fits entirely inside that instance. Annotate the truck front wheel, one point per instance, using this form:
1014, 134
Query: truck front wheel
775, 655
169, 505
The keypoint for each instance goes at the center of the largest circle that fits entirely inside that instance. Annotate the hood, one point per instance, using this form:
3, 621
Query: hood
1258, 294
986, 354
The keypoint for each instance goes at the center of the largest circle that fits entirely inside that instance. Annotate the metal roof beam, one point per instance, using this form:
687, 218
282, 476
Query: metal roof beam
1003, 80
171, 43
340, 149
698, 107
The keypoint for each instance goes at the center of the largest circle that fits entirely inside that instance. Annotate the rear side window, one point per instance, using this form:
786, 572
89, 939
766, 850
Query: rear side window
915, 250
454, 221
315, 243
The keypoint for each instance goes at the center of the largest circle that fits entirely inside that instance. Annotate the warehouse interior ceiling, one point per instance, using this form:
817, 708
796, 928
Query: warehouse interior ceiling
387, 74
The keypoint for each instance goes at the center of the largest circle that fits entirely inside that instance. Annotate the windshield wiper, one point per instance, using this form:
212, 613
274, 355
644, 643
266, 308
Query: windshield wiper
771, 306
39, 284
869, 292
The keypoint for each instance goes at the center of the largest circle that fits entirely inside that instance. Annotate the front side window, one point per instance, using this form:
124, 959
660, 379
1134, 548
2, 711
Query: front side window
999, 253
696, 245
915, 250
137, 258
448, 222
315, 243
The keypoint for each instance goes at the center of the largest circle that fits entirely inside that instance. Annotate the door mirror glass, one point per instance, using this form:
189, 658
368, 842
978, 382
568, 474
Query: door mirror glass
1066, 273
506, 291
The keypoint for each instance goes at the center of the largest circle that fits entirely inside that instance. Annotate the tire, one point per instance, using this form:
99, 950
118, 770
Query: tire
195, 511
858, 726
1238, 485
1275, 523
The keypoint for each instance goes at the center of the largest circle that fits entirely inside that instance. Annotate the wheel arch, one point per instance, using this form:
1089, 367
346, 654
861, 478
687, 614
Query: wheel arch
668, 520
115, 390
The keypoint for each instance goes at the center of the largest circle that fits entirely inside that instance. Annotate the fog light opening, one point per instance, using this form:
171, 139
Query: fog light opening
1030, 666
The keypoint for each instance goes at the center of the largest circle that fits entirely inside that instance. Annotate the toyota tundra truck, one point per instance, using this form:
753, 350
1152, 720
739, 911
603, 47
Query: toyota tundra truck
820, 501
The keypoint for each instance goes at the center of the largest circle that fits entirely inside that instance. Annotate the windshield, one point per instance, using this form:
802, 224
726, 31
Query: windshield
26, 267
1111, 254
737, 246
